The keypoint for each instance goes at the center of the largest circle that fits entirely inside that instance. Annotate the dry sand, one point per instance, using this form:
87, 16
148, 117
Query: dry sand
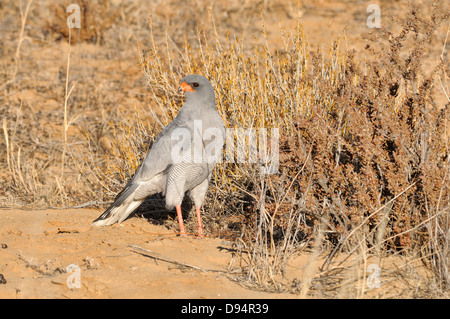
42, 243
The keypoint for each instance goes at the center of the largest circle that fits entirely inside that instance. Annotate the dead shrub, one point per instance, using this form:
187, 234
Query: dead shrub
96, 17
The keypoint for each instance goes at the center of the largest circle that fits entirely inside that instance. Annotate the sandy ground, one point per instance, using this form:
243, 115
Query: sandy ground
37, 246
41, 244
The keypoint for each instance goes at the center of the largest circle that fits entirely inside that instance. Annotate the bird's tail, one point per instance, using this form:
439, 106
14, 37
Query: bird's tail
122, 207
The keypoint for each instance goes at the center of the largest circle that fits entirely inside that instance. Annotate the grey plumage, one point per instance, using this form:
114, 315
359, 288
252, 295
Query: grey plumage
179, 160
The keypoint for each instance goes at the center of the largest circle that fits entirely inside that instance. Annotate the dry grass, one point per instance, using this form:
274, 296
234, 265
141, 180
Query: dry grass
363, 142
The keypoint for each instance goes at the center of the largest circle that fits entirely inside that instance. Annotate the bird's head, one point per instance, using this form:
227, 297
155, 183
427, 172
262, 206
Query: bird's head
196, 86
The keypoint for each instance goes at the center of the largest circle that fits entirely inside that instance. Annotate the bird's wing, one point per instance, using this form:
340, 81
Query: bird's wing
145, 181
159, 157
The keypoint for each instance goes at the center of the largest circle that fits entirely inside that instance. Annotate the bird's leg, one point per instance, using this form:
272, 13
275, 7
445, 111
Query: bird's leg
180, 221
199, 221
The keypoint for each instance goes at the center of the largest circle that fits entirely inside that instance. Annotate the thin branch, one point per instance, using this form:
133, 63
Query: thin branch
156, 256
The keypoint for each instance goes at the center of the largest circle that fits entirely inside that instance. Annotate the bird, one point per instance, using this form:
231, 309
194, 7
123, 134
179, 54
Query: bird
181, 159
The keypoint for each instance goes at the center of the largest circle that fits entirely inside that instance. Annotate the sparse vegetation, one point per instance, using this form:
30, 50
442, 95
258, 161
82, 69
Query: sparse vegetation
364, 142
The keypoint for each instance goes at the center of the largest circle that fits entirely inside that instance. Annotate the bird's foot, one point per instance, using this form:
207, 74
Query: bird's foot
183, 234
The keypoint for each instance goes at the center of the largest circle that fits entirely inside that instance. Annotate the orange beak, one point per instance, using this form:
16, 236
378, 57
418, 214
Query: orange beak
186, 87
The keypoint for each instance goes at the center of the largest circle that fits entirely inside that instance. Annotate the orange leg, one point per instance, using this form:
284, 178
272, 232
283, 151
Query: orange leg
180, 221
199, 221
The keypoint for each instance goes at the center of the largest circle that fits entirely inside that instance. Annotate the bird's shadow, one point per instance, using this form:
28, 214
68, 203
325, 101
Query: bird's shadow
155, 211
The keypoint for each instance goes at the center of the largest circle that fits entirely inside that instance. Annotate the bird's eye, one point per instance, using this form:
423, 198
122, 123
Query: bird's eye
195, 85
